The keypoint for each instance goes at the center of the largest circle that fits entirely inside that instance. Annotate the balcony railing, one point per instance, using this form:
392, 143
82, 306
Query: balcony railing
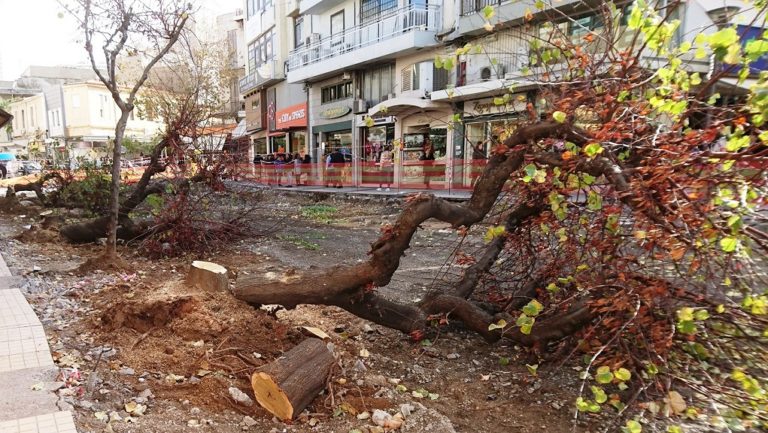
388, 26
468, 7
268, 72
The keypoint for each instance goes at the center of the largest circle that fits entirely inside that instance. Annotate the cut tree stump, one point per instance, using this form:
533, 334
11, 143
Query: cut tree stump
208, 276
287, 385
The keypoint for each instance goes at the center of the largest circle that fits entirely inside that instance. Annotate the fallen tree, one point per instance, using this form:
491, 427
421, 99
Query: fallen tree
618, 230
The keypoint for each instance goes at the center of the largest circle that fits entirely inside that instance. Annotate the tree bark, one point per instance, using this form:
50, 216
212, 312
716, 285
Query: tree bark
287, 385
114, 197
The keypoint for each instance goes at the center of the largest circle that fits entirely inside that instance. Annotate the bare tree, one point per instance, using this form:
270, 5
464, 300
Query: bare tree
126, 30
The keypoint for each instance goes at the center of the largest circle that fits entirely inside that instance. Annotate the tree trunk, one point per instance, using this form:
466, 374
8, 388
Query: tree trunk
288, 384
114, 197
208, 276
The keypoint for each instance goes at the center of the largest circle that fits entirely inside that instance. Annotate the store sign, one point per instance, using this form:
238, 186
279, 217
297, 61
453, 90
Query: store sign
334, 112
292, 117
253, 112
485, 106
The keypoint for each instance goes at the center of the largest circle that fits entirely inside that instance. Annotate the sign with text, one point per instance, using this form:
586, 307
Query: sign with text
294, 116
334, 112
485, 106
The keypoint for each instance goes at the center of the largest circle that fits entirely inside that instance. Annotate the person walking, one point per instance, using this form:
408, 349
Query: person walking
478, 162
386, 166
427, 159
334, 168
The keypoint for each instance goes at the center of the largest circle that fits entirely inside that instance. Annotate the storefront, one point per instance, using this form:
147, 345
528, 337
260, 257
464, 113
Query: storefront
485, 125
290, 134
375, 135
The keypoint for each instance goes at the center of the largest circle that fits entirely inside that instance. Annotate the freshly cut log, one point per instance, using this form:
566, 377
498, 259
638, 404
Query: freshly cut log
287, 385
208, 276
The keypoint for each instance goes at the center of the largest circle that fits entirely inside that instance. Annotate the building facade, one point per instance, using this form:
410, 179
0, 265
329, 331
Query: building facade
360, 76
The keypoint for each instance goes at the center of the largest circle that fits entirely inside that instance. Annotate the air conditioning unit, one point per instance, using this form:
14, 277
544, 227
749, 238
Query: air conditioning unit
313, 38
389, 96
346, 76
492, 72
360, 106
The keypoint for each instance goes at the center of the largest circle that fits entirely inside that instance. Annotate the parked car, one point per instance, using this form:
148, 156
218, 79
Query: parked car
29, 167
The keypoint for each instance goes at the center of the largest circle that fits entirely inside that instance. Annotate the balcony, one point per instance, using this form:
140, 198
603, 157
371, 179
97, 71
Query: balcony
391, 35
268, 73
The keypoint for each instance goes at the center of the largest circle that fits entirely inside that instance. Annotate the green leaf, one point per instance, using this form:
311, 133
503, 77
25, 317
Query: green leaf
687, 327
701, 315
728, 244
632, 426
724, 38
622, 374
488, 12
526, 328
685, 313
674, 429
604, 375
559, 116
533, 308
493, 232
532, 369
593, 149
498, 325
539, 4
503, 360
600, 395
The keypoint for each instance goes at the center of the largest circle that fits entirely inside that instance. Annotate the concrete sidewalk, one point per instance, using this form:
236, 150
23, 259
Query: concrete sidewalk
26, 363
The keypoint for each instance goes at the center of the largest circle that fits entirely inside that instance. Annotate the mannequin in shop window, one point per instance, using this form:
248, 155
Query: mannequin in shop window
387, 168
427, 159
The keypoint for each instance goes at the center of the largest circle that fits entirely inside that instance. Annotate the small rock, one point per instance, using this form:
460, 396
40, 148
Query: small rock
147, 394
364, 415
556, 405
360, 366
249, 422
194, 379
193, 423
406, 409
367, 328
453, 356
85, 404
127, 371
195, 411
240, 396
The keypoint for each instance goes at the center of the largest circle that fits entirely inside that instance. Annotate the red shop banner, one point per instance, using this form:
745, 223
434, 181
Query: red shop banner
294, 116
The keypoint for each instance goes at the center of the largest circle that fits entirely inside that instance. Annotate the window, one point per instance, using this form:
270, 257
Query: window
254, 7
337, 22
31, 116
23, 120
336, 92
298, 32
261, 51
371, 10
378, 83
102, 104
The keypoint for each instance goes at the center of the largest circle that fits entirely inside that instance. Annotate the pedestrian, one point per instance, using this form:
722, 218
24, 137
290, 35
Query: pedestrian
279, 165
334, 168
386, 167
478, 162
297, 161
427, 159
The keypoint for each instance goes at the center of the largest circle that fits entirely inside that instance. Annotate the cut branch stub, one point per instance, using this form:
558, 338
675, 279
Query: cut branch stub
208, 276
288, 384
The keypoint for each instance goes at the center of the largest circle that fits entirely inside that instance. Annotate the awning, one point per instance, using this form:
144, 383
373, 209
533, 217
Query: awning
405, 106
7, 157
239, 130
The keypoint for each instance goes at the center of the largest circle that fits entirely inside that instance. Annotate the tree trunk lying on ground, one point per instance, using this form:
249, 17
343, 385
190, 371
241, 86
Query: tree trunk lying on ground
288, 384
91, 230
353, 287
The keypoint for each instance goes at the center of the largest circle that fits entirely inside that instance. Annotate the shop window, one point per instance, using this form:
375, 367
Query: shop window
336, 92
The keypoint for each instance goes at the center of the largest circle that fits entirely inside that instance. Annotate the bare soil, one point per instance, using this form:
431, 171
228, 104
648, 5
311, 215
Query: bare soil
144, 336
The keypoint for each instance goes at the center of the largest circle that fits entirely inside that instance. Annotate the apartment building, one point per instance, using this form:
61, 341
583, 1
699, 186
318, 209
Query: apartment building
80, 124
368, 77
275, 110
